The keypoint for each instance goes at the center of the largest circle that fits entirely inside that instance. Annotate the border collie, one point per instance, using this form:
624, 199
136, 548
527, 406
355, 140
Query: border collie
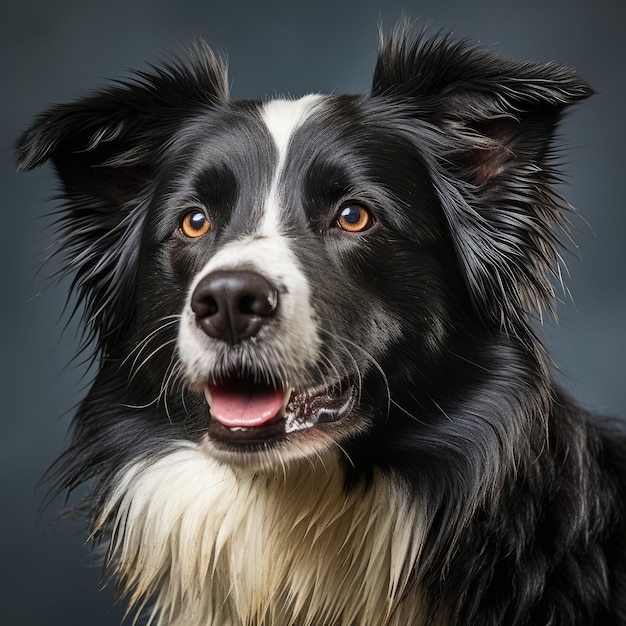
322, 398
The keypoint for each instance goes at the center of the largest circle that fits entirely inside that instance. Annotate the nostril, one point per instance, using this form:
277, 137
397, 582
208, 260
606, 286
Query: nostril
233, 305
263, 302
247, 304
203, 305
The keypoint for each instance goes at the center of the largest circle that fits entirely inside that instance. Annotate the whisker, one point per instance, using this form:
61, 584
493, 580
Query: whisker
409, 414
147, 338
371, 359
170, 373
136, 370
138, 349
344, 453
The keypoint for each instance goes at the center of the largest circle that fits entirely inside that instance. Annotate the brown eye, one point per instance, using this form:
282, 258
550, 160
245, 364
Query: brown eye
195, 224
354, 218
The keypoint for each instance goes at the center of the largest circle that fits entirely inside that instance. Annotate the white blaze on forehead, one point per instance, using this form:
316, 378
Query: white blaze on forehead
282, 119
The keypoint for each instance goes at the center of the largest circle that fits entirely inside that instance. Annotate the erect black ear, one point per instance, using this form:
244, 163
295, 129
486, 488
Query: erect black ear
493, 158
105, 148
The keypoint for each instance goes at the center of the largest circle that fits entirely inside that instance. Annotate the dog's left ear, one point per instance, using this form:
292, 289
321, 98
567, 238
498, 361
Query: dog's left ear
494, 162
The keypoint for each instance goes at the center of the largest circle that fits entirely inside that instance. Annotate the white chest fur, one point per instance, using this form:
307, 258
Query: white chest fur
212, 546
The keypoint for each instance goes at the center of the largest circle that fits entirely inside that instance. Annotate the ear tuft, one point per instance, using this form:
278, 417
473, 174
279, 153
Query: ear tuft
133, 108
443, 70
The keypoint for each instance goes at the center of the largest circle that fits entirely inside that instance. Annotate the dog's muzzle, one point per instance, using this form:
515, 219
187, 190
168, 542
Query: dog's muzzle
233, 307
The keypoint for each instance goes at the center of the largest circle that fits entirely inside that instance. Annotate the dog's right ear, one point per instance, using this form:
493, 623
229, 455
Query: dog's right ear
99, 143
105, 149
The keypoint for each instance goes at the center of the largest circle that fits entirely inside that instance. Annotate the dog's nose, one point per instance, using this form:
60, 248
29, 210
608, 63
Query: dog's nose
233, 305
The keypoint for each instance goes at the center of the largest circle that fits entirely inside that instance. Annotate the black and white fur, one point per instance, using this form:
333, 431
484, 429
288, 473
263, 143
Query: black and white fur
424, 468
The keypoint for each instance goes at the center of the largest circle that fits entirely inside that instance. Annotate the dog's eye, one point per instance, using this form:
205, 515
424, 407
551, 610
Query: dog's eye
354, 218
195, 224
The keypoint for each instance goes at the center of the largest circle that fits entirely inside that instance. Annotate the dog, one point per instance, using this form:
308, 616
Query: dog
322, 395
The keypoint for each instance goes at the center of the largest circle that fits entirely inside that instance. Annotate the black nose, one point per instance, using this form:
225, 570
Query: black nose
233, 305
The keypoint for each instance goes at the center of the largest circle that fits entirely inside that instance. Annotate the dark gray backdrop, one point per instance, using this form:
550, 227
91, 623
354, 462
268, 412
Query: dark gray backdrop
55, 51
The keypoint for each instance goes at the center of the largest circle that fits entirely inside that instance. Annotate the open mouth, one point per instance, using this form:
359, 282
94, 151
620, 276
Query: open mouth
245, 412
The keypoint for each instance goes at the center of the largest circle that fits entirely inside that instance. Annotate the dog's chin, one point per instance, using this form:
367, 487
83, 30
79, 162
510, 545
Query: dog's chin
285, 424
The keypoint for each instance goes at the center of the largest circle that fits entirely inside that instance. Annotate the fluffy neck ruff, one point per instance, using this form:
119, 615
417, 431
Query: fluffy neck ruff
213, 546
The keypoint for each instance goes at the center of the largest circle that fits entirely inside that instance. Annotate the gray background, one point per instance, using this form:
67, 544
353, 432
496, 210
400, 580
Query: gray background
55, 51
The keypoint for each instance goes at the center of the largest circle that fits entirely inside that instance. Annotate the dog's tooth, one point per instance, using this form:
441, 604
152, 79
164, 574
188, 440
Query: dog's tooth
208, 396
283, 408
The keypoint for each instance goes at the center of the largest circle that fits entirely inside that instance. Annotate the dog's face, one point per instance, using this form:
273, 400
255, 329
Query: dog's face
276, 278
291, 250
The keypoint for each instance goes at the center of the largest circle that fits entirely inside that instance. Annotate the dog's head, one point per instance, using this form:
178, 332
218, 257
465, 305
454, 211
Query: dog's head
299, 265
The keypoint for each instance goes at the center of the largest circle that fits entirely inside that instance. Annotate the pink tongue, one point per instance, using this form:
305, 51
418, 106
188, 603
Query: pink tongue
245, 405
